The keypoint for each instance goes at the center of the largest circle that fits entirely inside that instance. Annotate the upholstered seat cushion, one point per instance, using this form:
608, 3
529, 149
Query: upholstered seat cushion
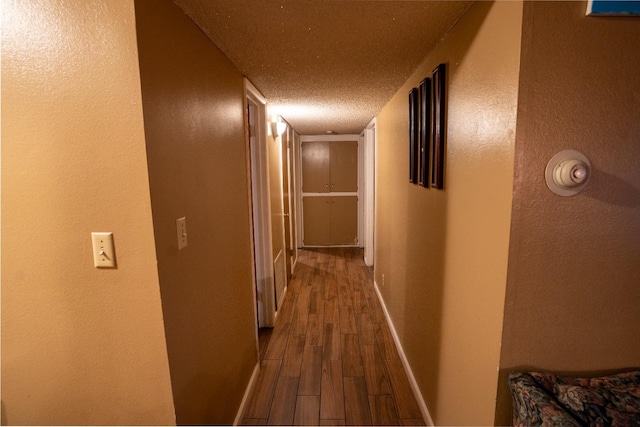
546, 399
602, 401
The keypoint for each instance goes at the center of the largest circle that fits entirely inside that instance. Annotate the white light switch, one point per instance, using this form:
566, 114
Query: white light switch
104, 255
181, 227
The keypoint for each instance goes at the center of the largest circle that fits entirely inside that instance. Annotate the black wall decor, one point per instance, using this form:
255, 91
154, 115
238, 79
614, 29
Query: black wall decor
414, 135
427, 121
438, 110
425, 133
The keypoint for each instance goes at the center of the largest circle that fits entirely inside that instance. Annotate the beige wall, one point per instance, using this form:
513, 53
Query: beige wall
573, 293
443, 254
80, 345
194, 124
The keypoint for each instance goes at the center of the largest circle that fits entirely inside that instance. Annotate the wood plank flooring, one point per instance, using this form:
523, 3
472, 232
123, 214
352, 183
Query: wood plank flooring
331, 359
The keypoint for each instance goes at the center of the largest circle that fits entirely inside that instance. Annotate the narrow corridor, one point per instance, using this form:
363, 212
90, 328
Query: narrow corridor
331, 359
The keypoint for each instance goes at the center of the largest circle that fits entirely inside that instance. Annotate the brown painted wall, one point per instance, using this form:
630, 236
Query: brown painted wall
573, 289
194, 124
80, 345
443, 254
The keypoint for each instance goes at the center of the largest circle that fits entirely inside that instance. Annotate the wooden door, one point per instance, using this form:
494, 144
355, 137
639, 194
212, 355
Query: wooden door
316, 166
328, 168
343, 169
317, 220
344, 220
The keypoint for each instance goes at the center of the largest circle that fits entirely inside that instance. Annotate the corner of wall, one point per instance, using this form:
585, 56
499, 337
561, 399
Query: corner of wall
566, 309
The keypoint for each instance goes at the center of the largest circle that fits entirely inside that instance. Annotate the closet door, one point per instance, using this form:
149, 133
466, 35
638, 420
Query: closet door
317, 220
330, 220
316, 158
344, 220
344, 166
329, 193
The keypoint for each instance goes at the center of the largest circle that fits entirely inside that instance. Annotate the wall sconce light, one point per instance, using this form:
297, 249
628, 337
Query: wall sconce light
568, 172
277, 127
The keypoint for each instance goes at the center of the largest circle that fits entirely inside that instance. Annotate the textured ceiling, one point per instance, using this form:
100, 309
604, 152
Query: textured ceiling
325, 65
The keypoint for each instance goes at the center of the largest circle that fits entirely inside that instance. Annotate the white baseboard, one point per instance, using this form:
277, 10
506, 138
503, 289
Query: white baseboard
247, 394
412, 380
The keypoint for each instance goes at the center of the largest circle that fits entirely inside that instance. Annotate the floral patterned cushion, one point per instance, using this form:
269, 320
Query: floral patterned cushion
534, 406
605, 401
546, 399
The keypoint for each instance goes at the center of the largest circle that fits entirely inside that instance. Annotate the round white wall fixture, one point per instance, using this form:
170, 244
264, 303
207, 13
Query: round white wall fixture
567, 173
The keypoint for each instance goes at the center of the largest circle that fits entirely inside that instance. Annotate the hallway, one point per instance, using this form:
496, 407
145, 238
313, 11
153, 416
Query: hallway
331, 359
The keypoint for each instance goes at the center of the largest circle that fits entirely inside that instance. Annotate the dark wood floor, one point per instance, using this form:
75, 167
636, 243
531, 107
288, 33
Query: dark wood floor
331, 359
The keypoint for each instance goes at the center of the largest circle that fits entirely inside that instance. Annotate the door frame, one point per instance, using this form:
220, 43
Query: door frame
260, 200
288, 192
293, 197
369, 183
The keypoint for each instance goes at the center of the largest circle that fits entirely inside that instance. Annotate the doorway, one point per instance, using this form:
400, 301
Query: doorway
331, 190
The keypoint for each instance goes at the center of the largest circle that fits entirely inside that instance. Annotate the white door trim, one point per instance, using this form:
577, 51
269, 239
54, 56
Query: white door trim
369, 192
261, 210
291, 180
346, 137
293, 195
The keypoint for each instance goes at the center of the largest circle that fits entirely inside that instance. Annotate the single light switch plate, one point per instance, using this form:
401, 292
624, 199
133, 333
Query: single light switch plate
104, 255
181, 227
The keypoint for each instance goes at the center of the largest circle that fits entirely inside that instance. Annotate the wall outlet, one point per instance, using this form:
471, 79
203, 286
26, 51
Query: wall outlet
181, 228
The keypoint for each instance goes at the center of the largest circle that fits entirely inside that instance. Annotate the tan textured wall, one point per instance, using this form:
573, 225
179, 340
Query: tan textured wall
194, 124
443, 254
573, 293
80, 345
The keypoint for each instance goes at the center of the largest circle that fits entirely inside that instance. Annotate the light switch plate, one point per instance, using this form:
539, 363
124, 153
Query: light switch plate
181, 228
104, 255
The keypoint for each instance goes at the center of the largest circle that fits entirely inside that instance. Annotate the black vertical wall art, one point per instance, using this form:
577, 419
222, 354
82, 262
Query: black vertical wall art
425, 133
427, 121
414, 135
438, 110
